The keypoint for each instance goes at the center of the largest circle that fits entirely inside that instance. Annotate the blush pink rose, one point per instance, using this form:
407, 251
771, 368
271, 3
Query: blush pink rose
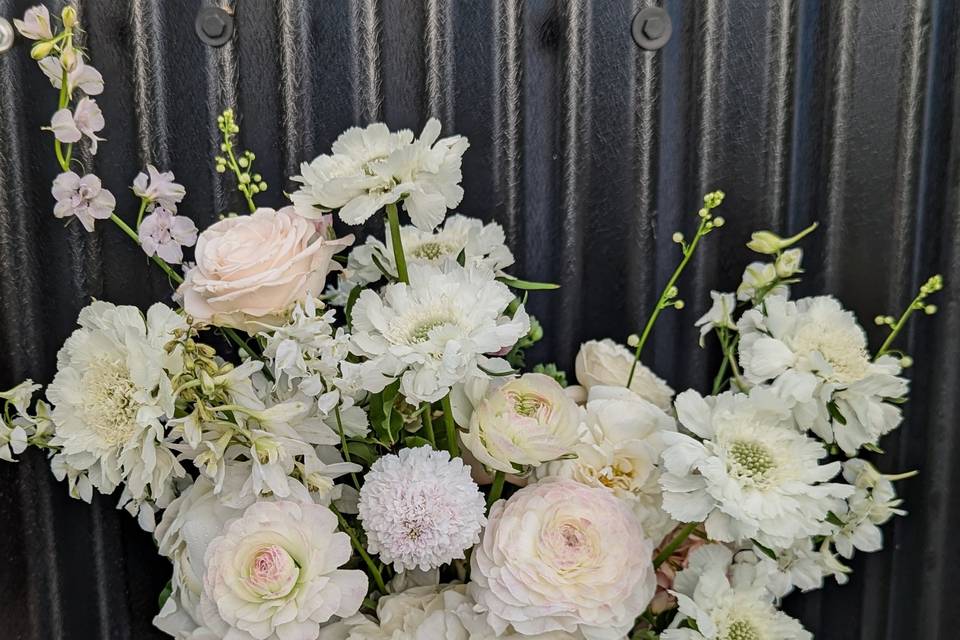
251, 269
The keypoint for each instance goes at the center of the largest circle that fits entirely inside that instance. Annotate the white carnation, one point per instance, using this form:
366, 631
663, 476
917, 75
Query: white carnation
619, 449
604, 362
420, 509
814, 354
752, 476
435, 331
724, 607
112, 395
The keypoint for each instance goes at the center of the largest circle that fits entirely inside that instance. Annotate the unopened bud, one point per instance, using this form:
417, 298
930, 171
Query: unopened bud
69, 16
767, 242
41, 50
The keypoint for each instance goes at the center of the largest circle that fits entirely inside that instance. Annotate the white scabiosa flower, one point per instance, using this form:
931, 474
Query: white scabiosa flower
814, 354
873, 502
619, 449
480, 244
273, 574
420, 509
111, 397
751, 475
435, 331
562, 556
604, 362
524, 421
372, 167
724, 607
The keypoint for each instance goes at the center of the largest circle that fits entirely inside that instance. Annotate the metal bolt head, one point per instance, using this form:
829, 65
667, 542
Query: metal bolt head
214, 26
652, 28
6, 35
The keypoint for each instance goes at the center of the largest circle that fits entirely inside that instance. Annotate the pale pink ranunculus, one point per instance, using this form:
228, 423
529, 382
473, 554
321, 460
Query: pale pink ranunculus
562, 556
252, 269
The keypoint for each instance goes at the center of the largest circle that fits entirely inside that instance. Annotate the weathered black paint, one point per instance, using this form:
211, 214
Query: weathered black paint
586, 148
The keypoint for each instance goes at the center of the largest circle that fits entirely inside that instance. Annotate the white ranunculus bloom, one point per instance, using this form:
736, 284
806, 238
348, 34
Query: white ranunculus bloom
435, 331
372, 167
719, 315
427, 613
814, 353
753, 476
273, 574
521, 422
562, 556
604, 362
619, 448
724, 607
482, 245
111, 398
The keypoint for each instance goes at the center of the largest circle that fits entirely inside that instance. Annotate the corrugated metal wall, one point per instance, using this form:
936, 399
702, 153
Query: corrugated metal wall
586, 148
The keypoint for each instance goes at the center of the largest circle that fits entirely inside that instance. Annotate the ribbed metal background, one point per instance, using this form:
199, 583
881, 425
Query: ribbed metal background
587, 149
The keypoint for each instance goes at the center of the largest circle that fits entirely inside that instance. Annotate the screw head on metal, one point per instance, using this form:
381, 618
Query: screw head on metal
6, 35
652, 28
214, 26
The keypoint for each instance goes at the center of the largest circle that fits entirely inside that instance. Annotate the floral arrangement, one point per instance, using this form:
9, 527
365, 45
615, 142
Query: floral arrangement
366, 458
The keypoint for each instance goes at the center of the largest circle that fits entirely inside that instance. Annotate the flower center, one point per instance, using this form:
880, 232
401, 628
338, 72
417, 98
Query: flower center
108, 402
742, 630
529, 405
842, 347
431, 250
272, 573
751, 459
421, 332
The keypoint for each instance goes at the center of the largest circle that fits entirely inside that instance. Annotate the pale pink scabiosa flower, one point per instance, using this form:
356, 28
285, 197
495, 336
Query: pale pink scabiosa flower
83, 197
273, 574
159, 188
35, 24
420, 509
164, 234
562, 556
85, 120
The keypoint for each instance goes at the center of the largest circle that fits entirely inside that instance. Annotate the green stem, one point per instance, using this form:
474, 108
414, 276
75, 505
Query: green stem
343, 442
661, 303
899, 325
236, 171
496, 488
428, 423
377, 577
143, 207
394, 220
668, 550
452, 445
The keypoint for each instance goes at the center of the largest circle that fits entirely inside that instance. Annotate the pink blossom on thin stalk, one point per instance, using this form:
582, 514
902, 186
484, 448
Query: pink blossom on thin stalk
82, 76
85, 120
164, 234
159, 188
83, 197
35, 24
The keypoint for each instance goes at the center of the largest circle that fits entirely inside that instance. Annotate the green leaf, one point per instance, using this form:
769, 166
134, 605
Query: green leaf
352, 300
361, 451
376, 260
869, 446
766, 550
412, 442
165, 594
835, 412
833, 519
462, 257
527, 285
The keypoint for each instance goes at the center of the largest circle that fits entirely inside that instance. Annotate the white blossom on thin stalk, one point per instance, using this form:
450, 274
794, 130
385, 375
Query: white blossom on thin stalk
80, 76
35, 24
85, 120
159, 188
85, 198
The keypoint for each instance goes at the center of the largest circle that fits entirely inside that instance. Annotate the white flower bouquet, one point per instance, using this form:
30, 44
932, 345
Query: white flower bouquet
366, 458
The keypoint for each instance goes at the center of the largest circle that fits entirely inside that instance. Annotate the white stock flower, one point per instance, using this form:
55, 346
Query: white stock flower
787, 263
604, 362
111, 397
435, 331
753, 476
814, 353
874, 502
523, 421
420, 509
801, 566
372, 167
273, 574
759, 279
620, 446
725, 607
562, 556
719, 315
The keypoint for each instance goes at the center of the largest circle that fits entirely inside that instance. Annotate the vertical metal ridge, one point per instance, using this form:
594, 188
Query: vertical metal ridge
841, 64
223, 76
149, 102
368, 102
645, 95
439, 62
574, 177
507, 163
297, 96
779, 81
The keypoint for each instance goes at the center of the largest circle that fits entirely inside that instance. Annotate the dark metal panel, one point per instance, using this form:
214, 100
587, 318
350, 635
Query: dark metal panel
589, 150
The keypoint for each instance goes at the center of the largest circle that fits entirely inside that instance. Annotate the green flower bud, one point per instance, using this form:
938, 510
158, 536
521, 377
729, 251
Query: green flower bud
69, 16
767, 242
41, 50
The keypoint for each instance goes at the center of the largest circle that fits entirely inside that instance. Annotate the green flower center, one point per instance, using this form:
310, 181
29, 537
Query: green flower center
527, 405
421, 333
742, 630
751, 459
430, 250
